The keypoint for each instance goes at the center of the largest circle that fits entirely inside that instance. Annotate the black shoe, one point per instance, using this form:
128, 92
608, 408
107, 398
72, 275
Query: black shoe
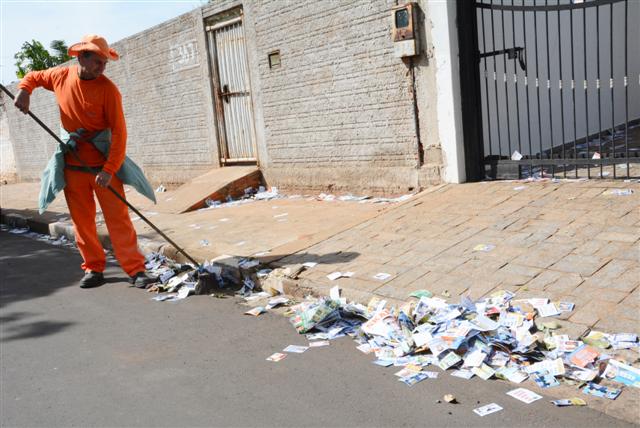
142, 280
92, 279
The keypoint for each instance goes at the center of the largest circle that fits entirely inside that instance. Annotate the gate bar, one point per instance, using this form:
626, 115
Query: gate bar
611, 86
506, 89
486, 84
535, 35
546, 23
573, 93
495, 82
526, 87
598, 84
561, 91
586, 85
626, 85
515, 77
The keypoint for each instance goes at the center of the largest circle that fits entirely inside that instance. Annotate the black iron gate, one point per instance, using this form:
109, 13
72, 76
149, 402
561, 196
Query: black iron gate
550, 87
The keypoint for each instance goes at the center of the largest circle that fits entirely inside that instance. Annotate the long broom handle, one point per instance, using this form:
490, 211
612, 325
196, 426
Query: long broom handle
88, 169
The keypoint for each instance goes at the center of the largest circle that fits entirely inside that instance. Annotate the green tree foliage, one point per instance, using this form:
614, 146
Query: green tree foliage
33, 56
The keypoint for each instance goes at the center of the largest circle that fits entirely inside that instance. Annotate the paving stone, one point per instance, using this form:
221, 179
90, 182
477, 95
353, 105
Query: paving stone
618, 324
611, 296
585, 317
590, 314
516, 269
445, 263
565, 284
589, 248
629, 237
544, 255
614, 269
620, 250
541, 281
583, 265
632, 303
478, 268
407, 278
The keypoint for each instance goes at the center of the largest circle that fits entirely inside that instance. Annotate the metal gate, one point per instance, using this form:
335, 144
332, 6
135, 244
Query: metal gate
232, 91
555, 87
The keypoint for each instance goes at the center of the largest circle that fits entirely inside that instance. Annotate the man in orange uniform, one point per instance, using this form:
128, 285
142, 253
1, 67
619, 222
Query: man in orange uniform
89, 100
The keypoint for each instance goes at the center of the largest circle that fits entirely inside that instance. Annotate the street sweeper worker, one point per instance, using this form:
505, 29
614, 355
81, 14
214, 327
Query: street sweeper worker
91, 114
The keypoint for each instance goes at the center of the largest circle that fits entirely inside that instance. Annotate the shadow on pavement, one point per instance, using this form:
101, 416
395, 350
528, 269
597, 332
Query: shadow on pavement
18, 264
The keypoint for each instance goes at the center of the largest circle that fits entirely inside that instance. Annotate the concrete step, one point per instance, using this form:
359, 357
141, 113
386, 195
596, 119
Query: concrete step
216, 185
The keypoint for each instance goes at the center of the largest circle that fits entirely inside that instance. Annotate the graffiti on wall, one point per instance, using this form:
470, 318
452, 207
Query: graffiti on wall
184, 55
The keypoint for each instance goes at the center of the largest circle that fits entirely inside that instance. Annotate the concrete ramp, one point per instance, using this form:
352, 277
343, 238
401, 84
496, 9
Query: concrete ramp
216, 185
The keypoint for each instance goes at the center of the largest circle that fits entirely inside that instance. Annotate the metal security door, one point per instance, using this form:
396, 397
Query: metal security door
553, 87
236, 134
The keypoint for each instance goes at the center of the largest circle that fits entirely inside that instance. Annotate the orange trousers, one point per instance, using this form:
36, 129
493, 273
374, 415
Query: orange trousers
79, 190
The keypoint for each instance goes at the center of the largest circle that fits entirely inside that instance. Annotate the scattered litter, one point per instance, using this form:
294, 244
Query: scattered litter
382, 276
546, 381
421, 293
565, 306
365, 348
415, 377
204, 243
485, 248
622, 373
280, 215
309, 264
277, 357
335, 275
383, 363
19, 230
462, 373
601, 391
220, 295
575, 401
619, 192
548, 310
277, 301
488, 409
161, 189
518, 188
164, 297
319, 343
224, 220
524, 395
583, 356
516, 156
256, 296
296, 349
450, 398
596, 155
264, 195
256, 311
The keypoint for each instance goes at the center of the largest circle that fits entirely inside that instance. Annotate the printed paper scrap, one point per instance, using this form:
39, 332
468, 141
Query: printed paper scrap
296, 349
488, 409
524, 395
277, 357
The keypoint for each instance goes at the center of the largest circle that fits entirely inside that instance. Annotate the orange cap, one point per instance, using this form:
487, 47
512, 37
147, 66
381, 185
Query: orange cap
94, 43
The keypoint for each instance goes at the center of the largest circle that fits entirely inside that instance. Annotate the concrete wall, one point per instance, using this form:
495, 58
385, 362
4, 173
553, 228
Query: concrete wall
338, 114
339, 111
8, 172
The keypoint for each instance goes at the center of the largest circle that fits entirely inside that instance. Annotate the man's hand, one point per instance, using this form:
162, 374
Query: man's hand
22, 101
103, 179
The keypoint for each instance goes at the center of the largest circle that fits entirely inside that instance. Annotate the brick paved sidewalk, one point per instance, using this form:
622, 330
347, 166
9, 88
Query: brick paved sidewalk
571, 240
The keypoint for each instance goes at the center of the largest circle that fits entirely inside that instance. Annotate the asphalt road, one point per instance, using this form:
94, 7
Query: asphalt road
112, 357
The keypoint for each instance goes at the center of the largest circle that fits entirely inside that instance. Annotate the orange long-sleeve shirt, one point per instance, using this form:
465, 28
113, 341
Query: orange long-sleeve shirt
90, 104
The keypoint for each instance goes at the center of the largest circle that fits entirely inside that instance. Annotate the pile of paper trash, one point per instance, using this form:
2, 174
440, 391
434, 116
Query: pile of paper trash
492, 337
